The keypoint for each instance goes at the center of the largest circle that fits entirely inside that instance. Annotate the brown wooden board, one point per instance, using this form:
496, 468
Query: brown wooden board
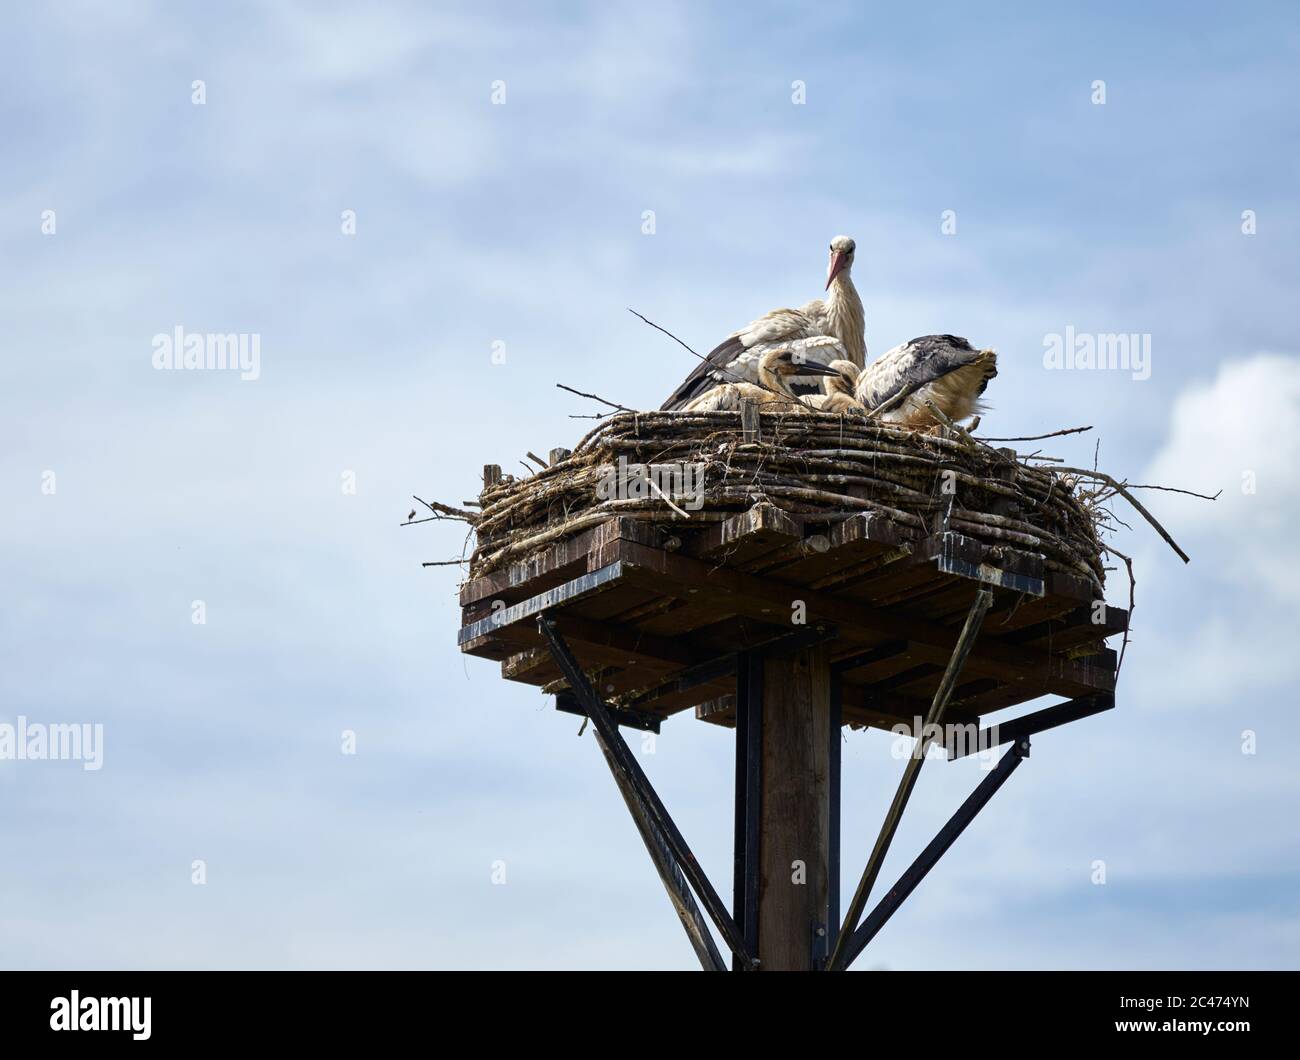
658, 627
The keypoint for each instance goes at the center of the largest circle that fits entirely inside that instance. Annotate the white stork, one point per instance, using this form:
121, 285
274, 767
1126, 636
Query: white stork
839, 316
772, 391
943, 369
838, 390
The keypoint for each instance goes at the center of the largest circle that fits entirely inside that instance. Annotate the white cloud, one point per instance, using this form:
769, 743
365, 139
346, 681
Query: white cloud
1239, 432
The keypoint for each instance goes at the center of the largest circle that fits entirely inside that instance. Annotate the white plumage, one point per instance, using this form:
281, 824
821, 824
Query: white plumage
771, 391
839, 316
943, 369
838, 390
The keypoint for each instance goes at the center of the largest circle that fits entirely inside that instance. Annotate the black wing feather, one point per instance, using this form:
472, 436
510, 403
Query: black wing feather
924, 359
705, 375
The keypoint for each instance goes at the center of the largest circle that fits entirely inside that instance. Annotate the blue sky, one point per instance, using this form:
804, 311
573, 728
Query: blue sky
522, 224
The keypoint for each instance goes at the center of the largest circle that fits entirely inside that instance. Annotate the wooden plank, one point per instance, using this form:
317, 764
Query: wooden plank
1080, 626
761, 596
529, 576
722, 665
1101, 666
644, 659
576, 589
665, 610
747, 536
969, 558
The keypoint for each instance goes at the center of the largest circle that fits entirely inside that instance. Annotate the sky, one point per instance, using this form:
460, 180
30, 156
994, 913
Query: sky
429, 215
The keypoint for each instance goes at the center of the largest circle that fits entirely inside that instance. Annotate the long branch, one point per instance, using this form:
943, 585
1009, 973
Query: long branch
1123, 491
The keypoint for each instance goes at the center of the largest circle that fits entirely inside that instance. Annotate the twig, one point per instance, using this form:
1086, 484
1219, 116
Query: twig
666, 499
963, 435
536, 459
594, 397
448, 511
669, 334
1132, 604
1039, 437
1171, 489
892, 403
720, 368
1119, 488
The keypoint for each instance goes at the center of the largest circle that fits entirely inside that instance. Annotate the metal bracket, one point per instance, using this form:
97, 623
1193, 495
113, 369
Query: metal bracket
632, 719
820, 944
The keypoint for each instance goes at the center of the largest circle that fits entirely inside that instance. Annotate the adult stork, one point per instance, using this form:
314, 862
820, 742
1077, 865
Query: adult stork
736, 359
772, 391
900, 385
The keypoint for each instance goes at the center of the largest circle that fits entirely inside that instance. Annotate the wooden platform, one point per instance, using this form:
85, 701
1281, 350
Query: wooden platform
657, 615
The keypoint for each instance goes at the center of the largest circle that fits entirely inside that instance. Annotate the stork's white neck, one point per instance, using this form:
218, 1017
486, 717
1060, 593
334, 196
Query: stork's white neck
847, 319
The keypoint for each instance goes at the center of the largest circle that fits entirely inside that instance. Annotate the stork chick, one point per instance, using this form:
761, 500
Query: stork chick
839, 316
945, 370
772, 391
837, 394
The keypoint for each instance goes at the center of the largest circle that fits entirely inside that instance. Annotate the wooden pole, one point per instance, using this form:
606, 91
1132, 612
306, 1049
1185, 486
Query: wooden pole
795, 816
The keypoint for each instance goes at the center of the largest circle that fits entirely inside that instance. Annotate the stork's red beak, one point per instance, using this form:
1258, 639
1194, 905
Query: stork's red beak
836, 267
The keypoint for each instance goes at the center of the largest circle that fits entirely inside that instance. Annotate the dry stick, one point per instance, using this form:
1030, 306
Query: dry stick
668, 333
594, 397
1039, 437
1122, 490
960, 432
1132, 603
449, 512
891, 403
965, 641
536, 459
716, 367
666, 499
965, 436
1171, 489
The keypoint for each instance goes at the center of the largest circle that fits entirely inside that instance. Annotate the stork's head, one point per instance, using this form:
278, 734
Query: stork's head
789, 361
842, 248
844, 379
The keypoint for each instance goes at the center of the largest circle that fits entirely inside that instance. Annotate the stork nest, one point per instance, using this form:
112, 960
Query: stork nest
822, 467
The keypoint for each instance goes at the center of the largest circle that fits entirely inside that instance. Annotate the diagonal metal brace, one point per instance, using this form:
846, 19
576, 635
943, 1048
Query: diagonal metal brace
669, 871
965, 641
937, 847
628, 770
1039, 721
